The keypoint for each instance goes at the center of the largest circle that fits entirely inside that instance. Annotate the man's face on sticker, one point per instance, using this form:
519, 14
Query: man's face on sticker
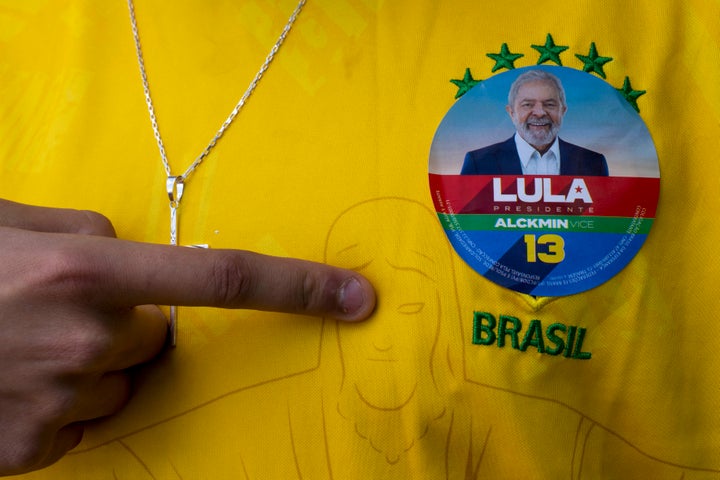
537, 113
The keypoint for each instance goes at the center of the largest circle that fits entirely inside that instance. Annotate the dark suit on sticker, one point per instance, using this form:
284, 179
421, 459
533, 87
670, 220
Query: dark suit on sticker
503, 159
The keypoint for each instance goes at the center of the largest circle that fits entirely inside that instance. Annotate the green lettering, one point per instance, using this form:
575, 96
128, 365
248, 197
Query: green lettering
557, 341
503, 330
570, 341
578, 353
533, 337
479, 328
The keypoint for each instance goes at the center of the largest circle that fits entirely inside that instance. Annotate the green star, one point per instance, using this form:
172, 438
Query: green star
549, 52
593, 62
465, 84
631, 95
504, 59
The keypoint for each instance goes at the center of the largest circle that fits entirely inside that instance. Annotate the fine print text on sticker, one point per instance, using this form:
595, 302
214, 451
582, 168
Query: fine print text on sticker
545, 180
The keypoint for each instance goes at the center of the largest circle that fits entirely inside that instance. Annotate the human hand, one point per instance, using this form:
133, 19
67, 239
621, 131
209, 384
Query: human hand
76, 311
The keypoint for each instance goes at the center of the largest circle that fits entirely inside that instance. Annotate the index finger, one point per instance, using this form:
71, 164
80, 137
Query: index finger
140, 274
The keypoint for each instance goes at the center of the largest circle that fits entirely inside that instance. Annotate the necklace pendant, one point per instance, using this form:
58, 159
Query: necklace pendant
175, 186
173, 241
172, 325
173, 226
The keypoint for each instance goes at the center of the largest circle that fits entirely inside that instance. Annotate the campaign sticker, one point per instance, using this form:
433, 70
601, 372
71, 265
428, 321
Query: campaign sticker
545, 180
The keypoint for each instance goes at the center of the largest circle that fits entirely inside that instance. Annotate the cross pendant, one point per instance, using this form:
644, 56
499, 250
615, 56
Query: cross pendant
175, 187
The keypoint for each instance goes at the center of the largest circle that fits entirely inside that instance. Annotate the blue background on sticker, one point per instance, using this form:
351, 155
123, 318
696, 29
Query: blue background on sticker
598, 118
582, 251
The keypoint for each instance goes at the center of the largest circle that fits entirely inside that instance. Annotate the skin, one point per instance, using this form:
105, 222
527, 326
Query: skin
537, 114
77, 309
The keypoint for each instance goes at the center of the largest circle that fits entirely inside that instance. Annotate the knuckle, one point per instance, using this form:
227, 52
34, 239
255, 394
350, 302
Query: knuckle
75, 344
307, 291
32, 439
64, 271
94, 223
84, 348
316, 293
231, 281
53, 406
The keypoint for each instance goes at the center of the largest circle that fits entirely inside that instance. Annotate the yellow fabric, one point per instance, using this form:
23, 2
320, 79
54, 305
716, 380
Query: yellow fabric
328, 162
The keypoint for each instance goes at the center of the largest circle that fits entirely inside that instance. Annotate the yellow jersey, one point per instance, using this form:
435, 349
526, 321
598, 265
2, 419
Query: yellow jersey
330, 160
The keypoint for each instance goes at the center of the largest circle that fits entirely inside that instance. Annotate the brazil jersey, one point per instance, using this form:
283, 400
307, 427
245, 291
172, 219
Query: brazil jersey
509, 341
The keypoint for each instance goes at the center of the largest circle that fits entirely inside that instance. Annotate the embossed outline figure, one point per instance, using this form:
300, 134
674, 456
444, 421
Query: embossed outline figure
349, 413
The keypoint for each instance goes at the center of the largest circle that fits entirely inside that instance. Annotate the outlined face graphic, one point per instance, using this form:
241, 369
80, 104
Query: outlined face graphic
381, 357
537, 113
389, 359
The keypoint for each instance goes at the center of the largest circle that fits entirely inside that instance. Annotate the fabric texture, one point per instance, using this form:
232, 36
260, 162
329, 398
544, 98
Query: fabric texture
328, 161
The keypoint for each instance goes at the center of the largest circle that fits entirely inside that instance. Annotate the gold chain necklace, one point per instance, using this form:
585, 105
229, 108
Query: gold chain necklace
175, 184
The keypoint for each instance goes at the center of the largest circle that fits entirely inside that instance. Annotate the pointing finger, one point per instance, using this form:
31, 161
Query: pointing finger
239, 279
115, 273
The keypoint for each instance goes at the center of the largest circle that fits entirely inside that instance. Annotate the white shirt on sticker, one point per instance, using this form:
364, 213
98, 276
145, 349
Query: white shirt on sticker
535, 164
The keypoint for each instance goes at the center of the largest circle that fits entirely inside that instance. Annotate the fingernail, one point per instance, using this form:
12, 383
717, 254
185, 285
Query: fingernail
350, 296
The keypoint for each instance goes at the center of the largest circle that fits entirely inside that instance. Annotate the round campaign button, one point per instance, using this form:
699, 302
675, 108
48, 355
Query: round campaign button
545, 180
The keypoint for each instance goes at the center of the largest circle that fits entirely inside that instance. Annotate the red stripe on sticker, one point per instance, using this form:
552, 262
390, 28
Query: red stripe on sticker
544, 195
